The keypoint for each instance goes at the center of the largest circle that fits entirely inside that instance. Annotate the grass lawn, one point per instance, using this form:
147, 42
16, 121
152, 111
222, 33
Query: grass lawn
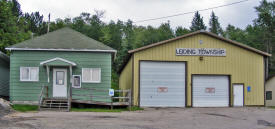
27, 108
104, 109
24, 108
273, 107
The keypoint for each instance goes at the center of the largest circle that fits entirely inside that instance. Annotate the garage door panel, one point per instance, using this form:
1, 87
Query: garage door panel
168, 76
210, 91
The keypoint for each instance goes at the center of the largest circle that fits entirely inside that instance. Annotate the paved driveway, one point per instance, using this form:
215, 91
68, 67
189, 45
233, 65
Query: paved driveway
150, 118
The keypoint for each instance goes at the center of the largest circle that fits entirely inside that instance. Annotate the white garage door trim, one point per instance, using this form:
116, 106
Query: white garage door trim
154, 93
210, 90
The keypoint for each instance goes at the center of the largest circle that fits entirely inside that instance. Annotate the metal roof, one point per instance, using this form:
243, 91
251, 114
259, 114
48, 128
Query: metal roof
206, 33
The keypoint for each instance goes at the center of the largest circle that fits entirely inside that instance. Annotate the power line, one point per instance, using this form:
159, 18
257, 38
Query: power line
151, 19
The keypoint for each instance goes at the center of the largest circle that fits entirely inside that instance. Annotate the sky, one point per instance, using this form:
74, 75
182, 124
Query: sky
239, 15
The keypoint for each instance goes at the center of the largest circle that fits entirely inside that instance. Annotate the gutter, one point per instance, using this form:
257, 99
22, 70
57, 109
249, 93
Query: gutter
78, 50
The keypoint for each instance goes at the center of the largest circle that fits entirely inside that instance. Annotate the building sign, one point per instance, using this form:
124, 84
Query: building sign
162, 89
209, 90
200, 51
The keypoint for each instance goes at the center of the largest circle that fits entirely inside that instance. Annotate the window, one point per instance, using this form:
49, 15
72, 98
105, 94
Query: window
268, 95
76, 81
92, 75
60, 77
29, 73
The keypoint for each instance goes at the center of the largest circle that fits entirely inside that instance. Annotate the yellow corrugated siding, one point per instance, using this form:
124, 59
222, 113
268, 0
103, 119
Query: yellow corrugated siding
244, 66
125, 78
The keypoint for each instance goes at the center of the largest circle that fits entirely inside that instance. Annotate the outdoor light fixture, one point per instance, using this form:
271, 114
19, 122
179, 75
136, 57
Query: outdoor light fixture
201, 58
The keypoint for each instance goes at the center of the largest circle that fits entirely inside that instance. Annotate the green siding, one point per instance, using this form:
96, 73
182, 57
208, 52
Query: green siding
4, 78
29, 91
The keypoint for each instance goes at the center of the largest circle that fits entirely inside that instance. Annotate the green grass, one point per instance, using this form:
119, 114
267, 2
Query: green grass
24, 108
104, 109
27, 108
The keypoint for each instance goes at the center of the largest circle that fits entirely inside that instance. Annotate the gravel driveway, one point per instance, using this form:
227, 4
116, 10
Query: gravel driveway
150, 118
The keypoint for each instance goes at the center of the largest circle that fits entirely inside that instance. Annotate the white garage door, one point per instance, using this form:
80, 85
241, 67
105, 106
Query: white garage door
210, 91
162, 84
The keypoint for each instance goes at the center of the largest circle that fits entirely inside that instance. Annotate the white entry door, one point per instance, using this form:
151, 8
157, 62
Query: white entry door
238, 95
59, 82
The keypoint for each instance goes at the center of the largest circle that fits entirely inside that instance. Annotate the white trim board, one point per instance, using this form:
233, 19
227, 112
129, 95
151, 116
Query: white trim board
57, 58
52, 49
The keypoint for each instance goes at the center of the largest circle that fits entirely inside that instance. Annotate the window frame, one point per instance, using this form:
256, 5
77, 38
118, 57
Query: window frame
99, 81
28, 80
267, 95
80, 81
56, 78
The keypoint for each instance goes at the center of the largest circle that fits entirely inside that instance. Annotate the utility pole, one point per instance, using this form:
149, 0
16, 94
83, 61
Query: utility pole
49, 23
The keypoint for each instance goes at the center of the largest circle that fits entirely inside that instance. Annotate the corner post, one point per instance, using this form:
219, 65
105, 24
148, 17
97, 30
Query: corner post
130, 99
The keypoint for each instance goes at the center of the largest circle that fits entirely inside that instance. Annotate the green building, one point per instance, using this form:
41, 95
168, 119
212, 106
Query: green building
59, 61
4, 75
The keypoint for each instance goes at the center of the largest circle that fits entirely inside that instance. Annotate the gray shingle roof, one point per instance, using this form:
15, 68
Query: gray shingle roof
65, 39
4, 57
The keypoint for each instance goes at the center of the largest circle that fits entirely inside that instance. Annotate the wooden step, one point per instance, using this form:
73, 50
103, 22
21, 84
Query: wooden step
54, 109
55, 100
53, 106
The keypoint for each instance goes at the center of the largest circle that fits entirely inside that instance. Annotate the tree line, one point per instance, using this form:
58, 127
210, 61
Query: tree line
17, 26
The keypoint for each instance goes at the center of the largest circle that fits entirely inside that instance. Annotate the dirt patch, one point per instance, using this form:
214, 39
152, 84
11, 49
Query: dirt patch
5, 108
15, 122
149, 118
5, 111
265, 123
104, 117
221, 115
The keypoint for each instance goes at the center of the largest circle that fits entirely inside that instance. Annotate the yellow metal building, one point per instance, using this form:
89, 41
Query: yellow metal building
218, 72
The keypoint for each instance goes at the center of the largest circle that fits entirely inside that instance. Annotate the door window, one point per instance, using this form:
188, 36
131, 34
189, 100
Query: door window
60, 77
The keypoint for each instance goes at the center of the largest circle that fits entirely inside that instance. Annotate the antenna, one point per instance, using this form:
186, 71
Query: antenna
49, 23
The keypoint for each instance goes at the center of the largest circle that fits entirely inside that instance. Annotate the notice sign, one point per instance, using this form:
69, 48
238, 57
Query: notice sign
209, 90
162, 89
201, 52
111, 92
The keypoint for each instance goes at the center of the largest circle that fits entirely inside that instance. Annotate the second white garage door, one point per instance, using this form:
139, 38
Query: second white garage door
210, 91
162, 84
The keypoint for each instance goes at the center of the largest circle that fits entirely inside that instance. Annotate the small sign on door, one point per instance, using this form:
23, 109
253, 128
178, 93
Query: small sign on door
162, 89
209, 90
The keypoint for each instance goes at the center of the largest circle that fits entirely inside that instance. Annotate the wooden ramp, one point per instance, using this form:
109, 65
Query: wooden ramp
64, 104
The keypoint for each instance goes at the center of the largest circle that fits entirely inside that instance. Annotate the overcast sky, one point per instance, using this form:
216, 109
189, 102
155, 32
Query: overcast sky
239, 15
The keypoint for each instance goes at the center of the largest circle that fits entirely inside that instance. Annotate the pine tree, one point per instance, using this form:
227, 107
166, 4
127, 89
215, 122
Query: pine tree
215, 25
181, 31
197, 23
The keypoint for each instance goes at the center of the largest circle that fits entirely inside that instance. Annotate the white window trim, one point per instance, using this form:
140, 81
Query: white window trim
24, 80
79, 81
92, 75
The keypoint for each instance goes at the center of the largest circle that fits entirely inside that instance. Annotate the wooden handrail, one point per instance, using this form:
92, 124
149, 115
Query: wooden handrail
69, 97
41, 96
